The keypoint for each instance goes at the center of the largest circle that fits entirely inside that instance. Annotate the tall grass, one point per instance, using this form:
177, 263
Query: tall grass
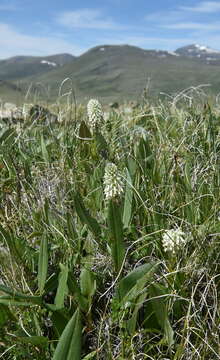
86, 276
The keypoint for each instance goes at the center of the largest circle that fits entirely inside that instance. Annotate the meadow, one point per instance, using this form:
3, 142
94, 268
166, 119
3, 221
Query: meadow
110, 229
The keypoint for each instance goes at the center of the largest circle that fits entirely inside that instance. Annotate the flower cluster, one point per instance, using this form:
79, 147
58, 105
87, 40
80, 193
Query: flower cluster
95, 113
112, 182
173, 240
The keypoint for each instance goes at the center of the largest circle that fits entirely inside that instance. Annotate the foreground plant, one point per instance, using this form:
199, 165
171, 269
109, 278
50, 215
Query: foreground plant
173, 240
95, 114
84, 273
113, 184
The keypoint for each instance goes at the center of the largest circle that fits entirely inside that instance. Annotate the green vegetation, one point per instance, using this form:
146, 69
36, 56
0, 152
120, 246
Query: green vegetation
109, 235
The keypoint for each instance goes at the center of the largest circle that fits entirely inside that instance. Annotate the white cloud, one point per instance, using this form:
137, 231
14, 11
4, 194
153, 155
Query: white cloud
12, 42
192, 22
203, 7
193, 26
162, 16
87, 19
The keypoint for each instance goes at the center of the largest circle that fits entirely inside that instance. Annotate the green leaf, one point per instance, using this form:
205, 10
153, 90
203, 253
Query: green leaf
60, 320
132, 284
44, 150
161, 312
8, 290
69, 345
19, 296
131, 323
101, 144
10, 301
42, 264
90, 355
7, 137
128, 201
74, 289
85, 217
19, 247
62, 287
4, 315
87, 283
84, 132
116, 234
34, 340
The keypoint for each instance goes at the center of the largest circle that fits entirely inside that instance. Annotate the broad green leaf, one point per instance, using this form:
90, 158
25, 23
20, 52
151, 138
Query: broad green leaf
101, 144
131, 323
128, 201
87, 283
130, 280
74, 289
85, 217
161, 311
52, 282
42, 264
84, 131
116, 234
62, 287
69, 345
132, 167
60, 320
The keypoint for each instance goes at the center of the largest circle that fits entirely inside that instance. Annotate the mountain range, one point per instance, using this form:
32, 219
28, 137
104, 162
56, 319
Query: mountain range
110, 72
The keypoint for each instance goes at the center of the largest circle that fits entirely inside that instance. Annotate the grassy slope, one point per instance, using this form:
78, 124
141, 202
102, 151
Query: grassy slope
10, 92
21, 66
125, 70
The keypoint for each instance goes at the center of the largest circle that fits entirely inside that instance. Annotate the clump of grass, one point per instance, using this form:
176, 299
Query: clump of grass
88, 276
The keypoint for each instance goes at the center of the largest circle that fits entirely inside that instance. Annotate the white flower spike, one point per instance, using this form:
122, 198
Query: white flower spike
112, 182
173, 240
95, 113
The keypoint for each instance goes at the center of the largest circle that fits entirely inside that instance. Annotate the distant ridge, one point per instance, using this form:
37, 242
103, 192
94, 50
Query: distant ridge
18, 67
201, 52
118, 71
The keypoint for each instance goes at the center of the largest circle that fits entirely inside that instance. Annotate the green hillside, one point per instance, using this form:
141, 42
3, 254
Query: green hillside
10, 92
110, 71
19, 67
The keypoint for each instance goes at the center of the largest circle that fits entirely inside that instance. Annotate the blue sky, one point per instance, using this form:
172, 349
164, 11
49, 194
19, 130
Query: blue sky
45, 27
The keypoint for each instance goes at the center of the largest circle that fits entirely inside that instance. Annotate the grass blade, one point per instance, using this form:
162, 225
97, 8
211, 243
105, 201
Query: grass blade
42, 264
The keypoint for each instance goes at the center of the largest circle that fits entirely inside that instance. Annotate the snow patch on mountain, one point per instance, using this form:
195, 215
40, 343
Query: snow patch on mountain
50, 63
173, 53
207, 49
